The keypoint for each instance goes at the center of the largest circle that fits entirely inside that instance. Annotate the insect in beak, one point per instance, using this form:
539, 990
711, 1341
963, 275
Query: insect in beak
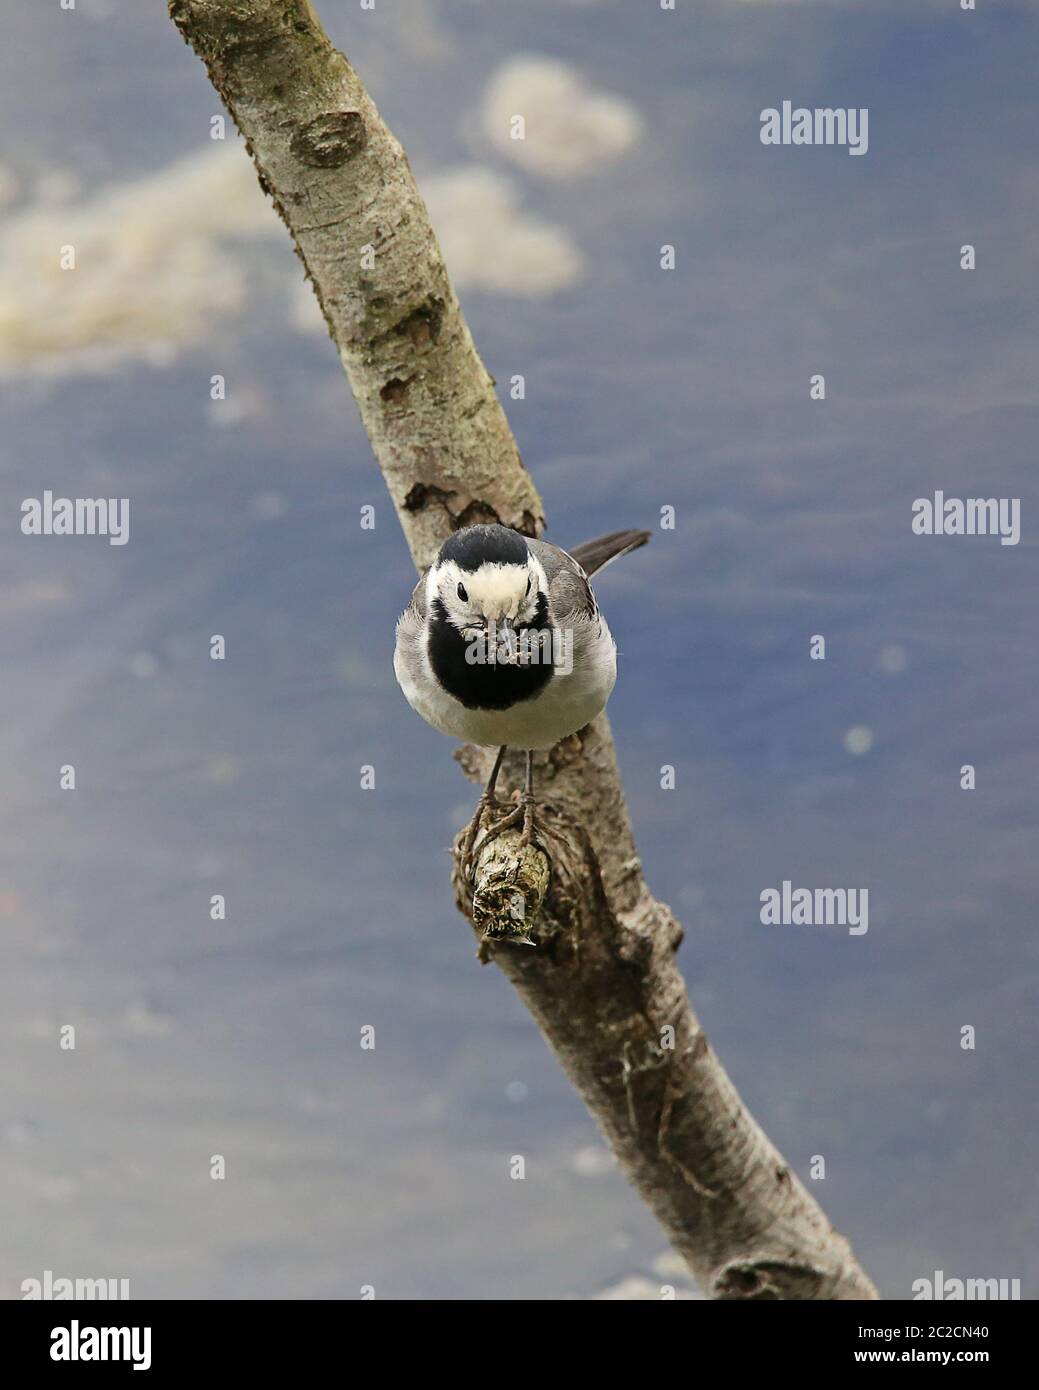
506, 643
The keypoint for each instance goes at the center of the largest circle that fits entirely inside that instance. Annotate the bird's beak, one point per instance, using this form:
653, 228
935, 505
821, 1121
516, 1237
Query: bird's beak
508, 647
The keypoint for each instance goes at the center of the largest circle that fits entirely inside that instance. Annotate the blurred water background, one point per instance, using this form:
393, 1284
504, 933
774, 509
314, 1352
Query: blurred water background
643, 389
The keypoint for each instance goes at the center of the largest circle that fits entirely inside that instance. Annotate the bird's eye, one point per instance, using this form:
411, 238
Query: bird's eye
462, 594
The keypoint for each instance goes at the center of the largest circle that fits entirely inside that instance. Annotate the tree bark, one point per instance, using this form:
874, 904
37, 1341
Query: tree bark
601, 982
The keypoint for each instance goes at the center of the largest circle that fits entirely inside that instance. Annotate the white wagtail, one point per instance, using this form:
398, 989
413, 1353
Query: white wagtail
503, 645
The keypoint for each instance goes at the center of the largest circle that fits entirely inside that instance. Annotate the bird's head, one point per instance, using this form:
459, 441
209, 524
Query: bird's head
485, 578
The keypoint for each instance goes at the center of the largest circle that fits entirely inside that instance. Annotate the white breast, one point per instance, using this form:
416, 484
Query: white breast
570, 700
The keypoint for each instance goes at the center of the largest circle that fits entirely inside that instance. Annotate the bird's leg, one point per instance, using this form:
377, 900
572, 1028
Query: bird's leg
530, 835
525, 813
486, 801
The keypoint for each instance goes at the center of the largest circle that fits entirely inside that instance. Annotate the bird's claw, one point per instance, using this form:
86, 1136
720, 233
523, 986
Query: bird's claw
525, 815
472, 831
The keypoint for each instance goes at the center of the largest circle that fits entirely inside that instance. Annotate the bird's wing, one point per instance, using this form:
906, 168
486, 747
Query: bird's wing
416, 609
568, 571
568, 588
409, 644
596, 555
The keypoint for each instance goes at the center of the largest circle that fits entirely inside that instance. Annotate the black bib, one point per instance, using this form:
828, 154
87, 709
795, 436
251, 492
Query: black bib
487, 685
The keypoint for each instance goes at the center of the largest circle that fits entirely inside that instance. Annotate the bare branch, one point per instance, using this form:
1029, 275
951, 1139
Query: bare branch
601, 982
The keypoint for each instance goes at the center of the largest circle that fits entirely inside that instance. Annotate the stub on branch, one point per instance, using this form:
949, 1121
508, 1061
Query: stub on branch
505, 896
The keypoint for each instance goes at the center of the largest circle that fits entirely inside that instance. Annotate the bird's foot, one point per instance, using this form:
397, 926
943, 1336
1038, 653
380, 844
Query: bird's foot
524, 815
466, 858
531, 834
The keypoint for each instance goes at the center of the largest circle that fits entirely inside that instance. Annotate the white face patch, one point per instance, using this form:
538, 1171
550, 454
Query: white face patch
498, 590
493, 591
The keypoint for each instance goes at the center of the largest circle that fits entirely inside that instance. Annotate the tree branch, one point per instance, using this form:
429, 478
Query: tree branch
602, 982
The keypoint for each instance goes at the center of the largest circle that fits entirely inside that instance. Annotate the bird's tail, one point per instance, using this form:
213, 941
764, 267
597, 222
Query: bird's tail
596, 555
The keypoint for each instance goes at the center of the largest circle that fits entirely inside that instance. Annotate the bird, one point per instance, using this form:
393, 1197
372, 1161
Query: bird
503, 645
